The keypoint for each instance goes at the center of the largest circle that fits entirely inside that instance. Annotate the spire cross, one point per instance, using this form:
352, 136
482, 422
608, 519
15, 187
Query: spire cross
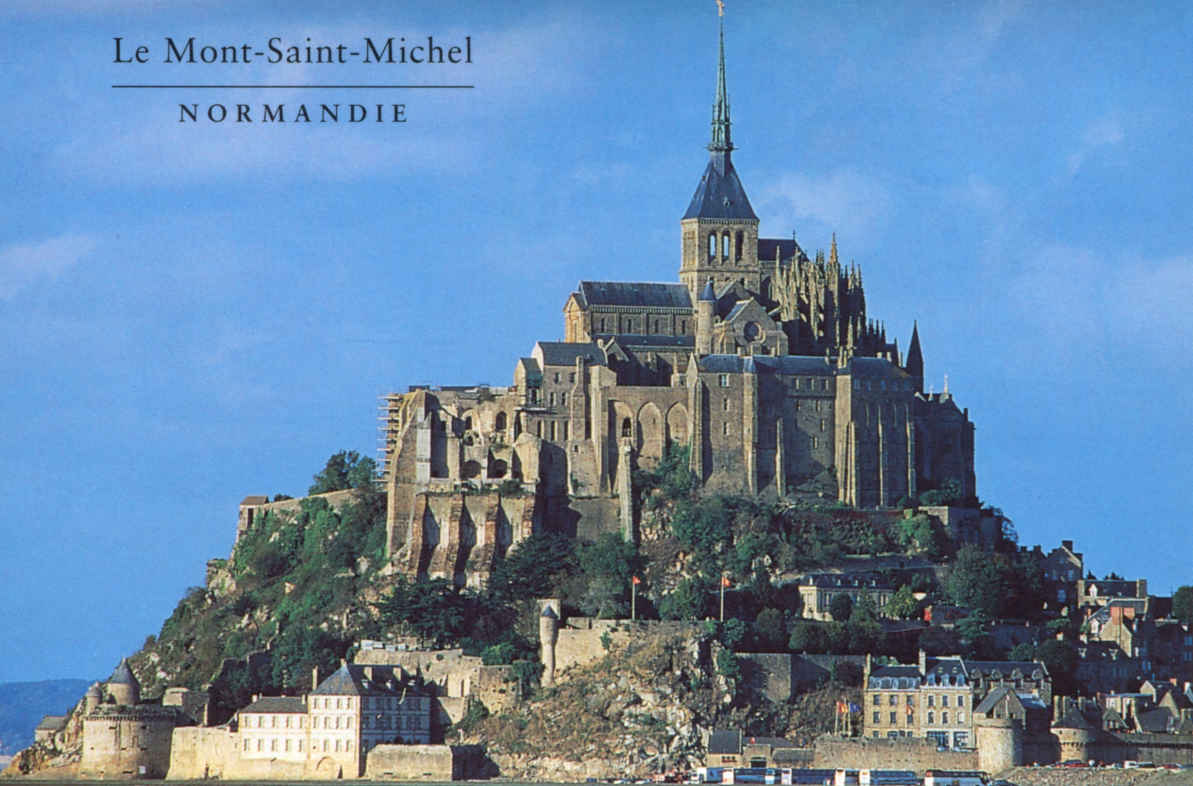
720, 113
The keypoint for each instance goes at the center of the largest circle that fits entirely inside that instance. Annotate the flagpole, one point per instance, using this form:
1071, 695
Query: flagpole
722, 597
634, 599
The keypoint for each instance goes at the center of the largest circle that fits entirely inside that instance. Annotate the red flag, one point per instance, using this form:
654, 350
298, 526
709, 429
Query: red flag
635, 580
725, 581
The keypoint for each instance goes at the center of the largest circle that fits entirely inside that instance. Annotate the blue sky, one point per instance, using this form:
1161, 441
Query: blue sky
193, 313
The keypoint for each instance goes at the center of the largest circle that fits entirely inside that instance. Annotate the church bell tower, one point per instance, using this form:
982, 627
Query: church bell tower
720, 230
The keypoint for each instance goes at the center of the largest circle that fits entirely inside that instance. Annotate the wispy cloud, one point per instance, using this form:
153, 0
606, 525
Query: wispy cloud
1073, 301
1105, 132
24, 264
845, 201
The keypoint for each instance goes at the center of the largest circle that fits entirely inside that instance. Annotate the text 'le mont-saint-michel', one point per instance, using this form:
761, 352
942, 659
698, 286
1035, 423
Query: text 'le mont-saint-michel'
390, 50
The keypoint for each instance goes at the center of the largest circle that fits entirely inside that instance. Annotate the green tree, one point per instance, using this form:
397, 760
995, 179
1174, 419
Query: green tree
840, 607
976, 582
807, 636
687, 601
1060, 658
609, 564
433, 609
921, 533
770, 629
903, 603
534, 568
1024, 651
1182, 604
345, 470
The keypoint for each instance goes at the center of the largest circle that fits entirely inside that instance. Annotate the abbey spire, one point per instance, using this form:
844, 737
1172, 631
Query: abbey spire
720, 229
721, 141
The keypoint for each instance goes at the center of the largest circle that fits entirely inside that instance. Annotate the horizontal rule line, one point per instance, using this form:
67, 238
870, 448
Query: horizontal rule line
294, 87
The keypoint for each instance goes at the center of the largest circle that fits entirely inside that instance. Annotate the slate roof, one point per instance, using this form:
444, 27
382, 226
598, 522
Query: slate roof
738, 307
946, 671
787, 248
52, 723
351, 680
993, 698
1006, 667
875, 367
123, 675
634, 293
278, 704
645, 340
724, 742
896, 671
720, 193
707, 293
564, 353
1154, 721
783, 364
846, 580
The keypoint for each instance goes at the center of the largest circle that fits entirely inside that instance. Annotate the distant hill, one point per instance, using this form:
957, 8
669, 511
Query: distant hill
22, 705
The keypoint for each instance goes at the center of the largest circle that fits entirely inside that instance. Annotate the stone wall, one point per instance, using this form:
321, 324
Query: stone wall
198, 752
907, 753
250, 515
423, 762
769, 673
133, 744
580, 640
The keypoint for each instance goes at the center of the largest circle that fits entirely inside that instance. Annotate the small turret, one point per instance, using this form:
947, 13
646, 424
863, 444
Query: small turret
123, 686
548, 635
92, 699
915, 359
705, 307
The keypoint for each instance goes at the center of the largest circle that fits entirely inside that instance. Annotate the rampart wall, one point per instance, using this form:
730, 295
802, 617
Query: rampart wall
907, 753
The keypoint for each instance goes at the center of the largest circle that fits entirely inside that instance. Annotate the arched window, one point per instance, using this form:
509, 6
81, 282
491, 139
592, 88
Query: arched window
740, 240
627, 429
499, 423
725, 246
712, 244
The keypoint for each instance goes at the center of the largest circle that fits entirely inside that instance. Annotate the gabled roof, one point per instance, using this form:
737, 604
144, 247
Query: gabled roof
947, 670
720, 193
787, 249
278, 704
353, 680
897, 671
1154, 721
993, 698
1006, 667
254, 499
638, 340
848, 580
875, 367
724, 741
634, 293
52, 723
564, 353
783, 364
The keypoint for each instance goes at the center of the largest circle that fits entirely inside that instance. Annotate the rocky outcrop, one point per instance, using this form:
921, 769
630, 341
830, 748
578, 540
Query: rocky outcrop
647, 706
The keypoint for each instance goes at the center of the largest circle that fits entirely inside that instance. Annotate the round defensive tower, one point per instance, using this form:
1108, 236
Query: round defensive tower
1074, 742
548, 635
92, 699
1000, 744
123, 687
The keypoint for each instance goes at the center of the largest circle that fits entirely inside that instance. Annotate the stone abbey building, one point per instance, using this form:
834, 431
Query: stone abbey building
761, 361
